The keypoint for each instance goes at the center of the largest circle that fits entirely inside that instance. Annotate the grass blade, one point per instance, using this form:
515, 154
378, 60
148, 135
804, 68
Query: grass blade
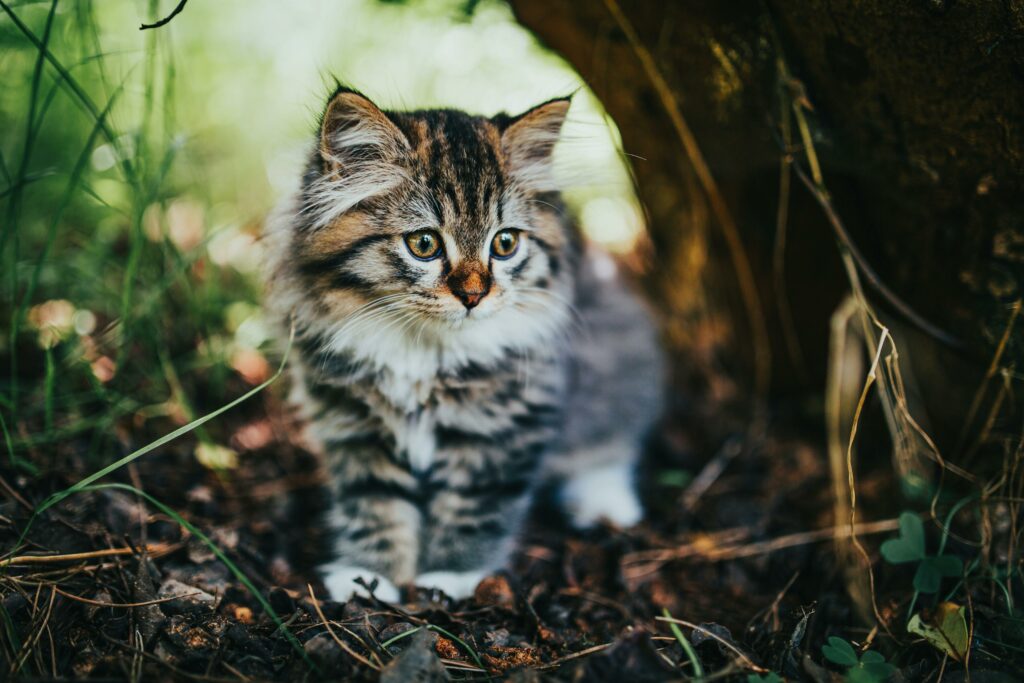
698, 670
220, 554
167, 438
70, 83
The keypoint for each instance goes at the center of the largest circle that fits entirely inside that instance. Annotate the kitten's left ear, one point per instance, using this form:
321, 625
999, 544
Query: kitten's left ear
527, 141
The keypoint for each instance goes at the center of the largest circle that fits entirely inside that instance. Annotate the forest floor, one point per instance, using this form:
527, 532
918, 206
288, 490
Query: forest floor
737, 547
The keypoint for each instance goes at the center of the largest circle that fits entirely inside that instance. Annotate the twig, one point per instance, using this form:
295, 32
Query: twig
461, 666
869, 273
691, 654
153, 550
26, 648
779, 247
710, 474
362, 642
14, 494
100, 603
163, 22
342, 644
595, 598
576, 655
989, 374
153, 658
735, 552
747, 661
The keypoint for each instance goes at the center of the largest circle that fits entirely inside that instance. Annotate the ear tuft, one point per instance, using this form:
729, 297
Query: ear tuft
355, 130
361, 152
528, 140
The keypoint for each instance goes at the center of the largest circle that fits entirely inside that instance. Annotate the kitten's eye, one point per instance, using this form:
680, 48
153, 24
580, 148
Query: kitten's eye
505, 243
424, 244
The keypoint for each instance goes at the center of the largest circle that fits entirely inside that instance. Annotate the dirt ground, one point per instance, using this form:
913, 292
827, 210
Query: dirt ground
107, 587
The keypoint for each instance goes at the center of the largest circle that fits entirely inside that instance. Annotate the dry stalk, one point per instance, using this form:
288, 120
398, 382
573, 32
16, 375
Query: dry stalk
642, 563
155, 550
745, 659
993, 367
341, 643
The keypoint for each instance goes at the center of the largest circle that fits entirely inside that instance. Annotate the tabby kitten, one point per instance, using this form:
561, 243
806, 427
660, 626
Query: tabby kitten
456, 345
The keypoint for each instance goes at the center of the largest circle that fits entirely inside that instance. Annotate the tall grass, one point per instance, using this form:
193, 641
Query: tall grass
96, 164
100, 304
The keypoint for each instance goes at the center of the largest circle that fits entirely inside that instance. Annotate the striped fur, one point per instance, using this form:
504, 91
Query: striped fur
438, 418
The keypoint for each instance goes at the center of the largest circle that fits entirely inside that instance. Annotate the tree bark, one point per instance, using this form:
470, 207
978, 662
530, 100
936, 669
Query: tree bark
918, 123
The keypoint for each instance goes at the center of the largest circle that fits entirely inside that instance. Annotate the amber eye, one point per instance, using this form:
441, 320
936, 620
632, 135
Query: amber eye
424, 244
505, 244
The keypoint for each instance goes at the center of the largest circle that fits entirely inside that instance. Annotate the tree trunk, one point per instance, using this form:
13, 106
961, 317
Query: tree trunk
915, 110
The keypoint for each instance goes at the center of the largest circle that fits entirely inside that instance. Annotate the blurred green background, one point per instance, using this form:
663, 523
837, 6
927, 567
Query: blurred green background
138, 167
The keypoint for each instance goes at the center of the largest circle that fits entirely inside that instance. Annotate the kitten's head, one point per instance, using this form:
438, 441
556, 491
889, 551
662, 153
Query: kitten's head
434, 220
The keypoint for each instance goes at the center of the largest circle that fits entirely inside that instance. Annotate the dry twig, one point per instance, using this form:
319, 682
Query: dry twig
341, 643
166, 20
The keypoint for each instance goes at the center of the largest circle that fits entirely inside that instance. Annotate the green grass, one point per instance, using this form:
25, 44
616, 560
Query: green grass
105, 318
97, 235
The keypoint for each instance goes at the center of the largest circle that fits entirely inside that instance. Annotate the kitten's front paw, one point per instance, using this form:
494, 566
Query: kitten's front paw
607, 493
455, 585
341, 582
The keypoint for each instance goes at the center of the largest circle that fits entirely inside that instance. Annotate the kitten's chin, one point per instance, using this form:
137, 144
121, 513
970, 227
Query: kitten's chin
464, 318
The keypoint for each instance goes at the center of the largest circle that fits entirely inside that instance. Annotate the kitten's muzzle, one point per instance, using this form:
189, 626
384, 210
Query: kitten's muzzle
470, 284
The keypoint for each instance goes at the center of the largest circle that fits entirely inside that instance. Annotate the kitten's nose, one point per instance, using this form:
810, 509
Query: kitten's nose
470, 284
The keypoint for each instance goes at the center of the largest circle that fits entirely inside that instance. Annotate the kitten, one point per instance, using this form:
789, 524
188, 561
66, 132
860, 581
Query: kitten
455, 344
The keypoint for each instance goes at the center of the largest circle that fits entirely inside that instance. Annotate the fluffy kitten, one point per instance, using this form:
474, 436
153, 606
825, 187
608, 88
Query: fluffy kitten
456, 347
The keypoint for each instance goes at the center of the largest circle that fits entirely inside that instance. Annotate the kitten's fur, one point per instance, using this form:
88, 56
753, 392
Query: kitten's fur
438, 420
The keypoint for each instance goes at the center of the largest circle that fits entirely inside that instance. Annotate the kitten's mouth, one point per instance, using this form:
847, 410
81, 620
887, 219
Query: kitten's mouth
468, 316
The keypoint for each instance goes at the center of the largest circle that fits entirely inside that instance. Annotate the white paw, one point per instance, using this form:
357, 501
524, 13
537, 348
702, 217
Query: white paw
341, 582
456, 585
606, 493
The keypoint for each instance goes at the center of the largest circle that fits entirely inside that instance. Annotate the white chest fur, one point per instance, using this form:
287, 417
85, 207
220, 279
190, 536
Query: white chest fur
417, 440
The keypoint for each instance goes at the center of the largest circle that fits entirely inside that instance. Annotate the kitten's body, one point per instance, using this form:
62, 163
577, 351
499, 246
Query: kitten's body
444, 390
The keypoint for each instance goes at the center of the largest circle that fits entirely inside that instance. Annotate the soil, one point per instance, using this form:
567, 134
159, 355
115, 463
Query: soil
132, 595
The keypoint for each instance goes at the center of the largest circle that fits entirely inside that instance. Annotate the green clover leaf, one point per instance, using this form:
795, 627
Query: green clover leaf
840, 652
932, 570
909, 546
870, 667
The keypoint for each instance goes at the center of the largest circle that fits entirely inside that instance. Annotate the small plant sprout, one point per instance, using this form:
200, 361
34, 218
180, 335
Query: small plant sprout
870, 667
909, 547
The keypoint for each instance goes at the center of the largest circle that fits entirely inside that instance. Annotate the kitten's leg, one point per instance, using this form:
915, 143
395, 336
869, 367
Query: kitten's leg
471, 533
489, 440
376, 524
603, 487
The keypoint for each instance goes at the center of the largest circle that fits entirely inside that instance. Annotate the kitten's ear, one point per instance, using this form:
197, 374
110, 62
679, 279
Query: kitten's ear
528, 139
355, 130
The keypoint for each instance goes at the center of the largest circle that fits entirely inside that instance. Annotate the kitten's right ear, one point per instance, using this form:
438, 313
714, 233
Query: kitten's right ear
354, 130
